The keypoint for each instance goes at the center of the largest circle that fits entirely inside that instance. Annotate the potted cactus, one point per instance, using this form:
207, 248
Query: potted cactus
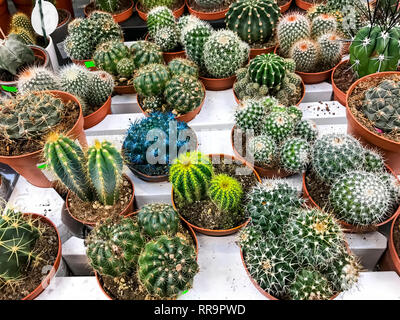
269, 75
174, 88
208, 9
121, 10
273, 137
314, 45
30, 243
292, 252
352, 182
143, 7
391, 258
155, 167
261, 17
97, 188
209, 191
129, 270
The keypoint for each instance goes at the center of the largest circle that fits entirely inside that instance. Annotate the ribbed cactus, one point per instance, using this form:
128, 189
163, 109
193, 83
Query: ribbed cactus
37, 79
290, 65
113, 248
183, 93
156, 219
331, 47
209, 4
381, 105
145, 52
101, 86
295, 155
267, 69
159, 16
103, 28
18, 236
310, 285
108, 54
151, 79
179, 66
306, 54
253, 20
250, 114
27, 37
75, 79
322, 24
150, 4
78, 47
107, 5
306, 129
21, 20
167, 266
224, 53
14, 54
278, 125
125, 67
226, 192
190, 175
166, 37
263, 149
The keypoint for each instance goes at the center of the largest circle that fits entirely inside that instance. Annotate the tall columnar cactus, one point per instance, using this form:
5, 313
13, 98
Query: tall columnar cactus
151, 79
113, 248
306, 53
306, 129
18, 236
167, 266
68, 162
159, 16
331, 47
150, 4
226, 192
249, 115
295, 155
335, 154
179, 66
209, 4
279, 125
156, 219
14, 54
381, 105
263, 149
310, 285
105, 171
37, 79
108, 54
253, 20
101, 86
321, 24
267, 69
167, 38
145, 52
107, 5
190, 175
75, 79
224, 53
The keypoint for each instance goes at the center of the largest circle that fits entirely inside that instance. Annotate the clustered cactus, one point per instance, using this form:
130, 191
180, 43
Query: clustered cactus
269, 75
281, 139
313, 44
294, 253
148, 248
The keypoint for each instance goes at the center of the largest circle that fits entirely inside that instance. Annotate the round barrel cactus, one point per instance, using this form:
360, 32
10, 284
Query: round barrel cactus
157, 219
226, 192
321, 24
145, 52
151, 79
159, 16
37, 79
166, 37
263, 149
101, 86
108, 54
306, 129
250, 115
279, 125
179, 66
75, 79
295, 155
267, 69
306, 54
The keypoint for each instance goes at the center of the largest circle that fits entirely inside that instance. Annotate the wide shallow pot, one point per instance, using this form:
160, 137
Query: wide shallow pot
263, 172
96, 117
216, 15
26, 164
389, 148
304, 5
184, 224
346, 226
46, 281
224, 232
168, 56
391, 260
255, 51
338, 94
177, 13
218, 84
118, 17
286, 6
128, 208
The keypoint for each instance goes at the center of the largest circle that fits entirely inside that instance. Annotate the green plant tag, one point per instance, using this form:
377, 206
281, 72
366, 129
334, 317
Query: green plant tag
9, 89
89, 64
42, 166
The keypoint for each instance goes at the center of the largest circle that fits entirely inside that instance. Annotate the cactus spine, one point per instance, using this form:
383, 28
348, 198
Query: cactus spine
157, 219
226, 192
151, 79
267, 69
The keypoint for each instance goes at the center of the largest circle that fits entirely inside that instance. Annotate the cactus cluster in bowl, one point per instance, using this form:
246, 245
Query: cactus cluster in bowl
294, 252
134, 255
169, 135
91, 88
314, 45
276, 137
352, 181
173, 88
269, 75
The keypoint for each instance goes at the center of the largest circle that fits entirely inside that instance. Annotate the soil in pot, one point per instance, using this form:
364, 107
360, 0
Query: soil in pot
356, 102
123, 6
128, 286
205, 214
225, 5
94, 212
344, 76
7, 76
47, 246
20, 147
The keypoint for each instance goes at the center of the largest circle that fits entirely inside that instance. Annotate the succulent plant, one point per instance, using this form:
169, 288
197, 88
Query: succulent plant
322, 24
154, 104
306, 129
250, 236
75, 79
373, 161
167, 266
167, 38
310, 285
225, 192
14, 54
150, 4
101, 86
279, 125
108, 54
250, 114
331, 48
20, 20
190, 175
145, 52
306, 54
125, 67
295, 155
156, 219
159, 16
37, 79
263, 149
267, 69
113, 248
179, 66
393, 185
151, 79
253, 20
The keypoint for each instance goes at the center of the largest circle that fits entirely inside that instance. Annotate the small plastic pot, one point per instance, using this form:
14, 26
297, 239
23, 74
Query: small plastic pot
304, 5
286, 6
210, 232
118, 17
391, 260
143, 15
338, 94
218, 84
254, 52
207, 15
96, 117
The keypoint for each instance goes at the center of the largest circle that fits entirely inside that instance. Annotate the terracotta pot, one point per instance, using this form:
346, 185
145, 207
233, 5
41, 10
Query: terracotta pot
83, 63
303, 4
118, 17
338, 94
255, 52
207, 15
24, 6
346, 226
67, 18
185, 225
263, 172
128, 208
218, 84
46, 281
4, 17
96, 117
66, 5
124, 89
389, 148
143, 15
26, 164
225, 232
168, 56
185, 117
286, 6
391, 260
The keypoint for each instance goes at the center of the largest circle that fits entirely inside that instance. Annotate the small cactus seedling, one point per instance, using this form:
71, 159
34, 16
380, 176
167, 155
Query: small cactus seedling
226, 192
157, 219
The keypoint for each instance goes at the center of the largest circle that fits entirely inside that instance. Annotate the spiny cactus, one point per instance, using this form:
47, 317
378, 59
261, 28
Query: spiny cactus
75, 79
159, 16
306, 129
263, 149
306, 54
154, 103
167, 266
179, 66
113, 248
373, 161
14, 54
279, 125
226, 192
322, 24
78, 47
310, 285
103, 27
37, 79
393, 185
295, 155
156, 219
253, 20
145, 52
167, 38
125, 67
27, 37
151, 79
107, 5
190, 175
250, 236
101, 86
249, 115
22, 21
150, 4
267, 69
290, 65
108, 54
331, 48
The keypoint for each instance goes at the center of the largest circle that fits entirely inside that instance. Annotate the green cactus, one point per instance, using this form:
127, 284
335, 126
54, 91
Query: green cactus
167, 266
184, 93
14, 54
125, 67
279, 125
150, 4
393, 185
166, 37
145, 52
295, 155
78, 47
190, 175
267, 69
103, 28
373, 161
310, 285
107, 5
151, 79
156, 219
179, 66
108, 54
293, 78
159, 16
250, 115
101, 86
27, 37
74, 79
263, 149
113, 248
153, 103
306, 129
306, 54
249, 237
20, 20
290, 65
253, 20
295, 113
225, 192
37, 79
321, 24
241, 73
331, 48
